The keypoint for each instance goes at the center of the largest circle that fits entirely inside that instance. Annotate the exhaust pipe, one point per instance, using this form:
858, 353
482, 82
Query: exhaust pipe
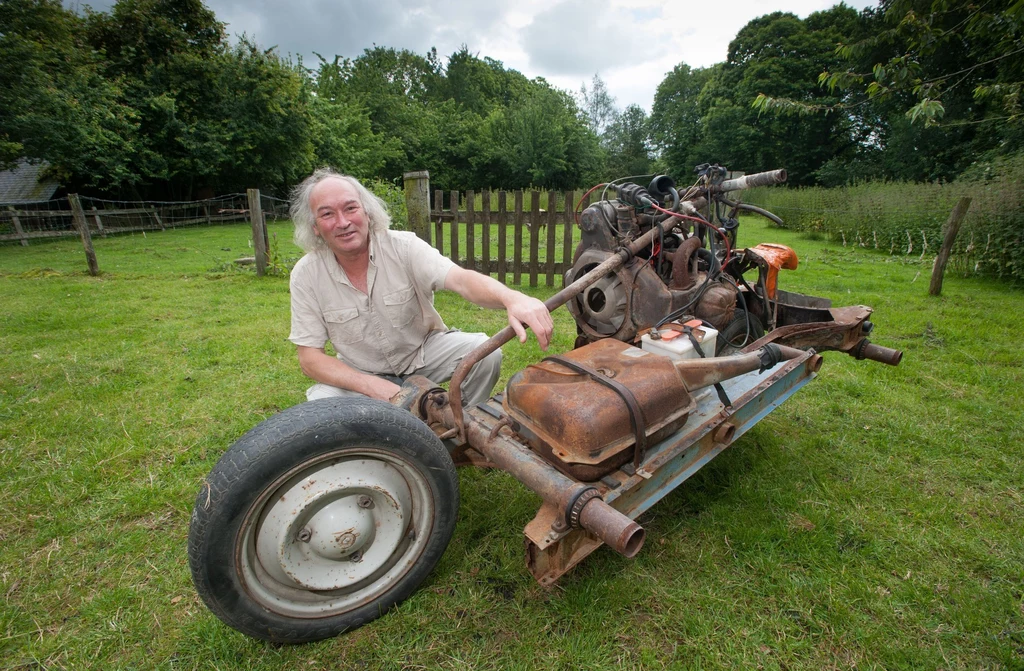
697, 373
581, 504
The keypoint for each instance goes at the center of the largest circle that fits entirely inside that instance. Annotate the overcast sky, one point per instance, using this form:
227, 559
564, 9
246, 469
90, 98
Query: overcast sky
631, 44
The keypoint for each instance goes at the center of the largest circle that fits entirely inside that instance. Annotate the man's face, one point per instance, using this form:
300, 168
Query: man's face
340, 219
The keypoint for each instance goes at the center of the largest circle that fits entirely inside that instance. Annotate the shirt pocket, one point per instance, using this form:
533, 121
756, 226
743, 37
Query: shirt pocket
344, 326
401, 306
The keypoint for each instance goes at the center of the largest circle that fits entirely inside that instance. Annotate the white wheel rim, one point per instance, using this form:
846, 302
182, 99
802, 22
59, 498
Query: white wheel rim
335, 533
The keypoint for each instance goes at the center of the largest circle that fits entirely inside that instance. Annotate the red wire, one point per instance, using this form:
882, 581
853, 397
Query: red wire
576, 211
728, 251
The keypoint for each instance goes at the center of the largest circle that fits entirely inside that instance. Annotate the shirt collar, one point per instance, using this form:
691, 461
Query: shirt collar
334, 268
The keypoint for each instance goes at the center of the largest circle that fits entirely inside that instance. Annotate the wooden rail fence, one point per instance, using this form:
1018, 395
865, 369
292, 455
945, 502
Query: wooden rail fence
55, 219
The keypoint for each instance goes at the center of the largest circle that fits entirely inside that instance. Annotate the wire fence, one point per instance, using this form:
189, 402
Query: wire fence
25, 221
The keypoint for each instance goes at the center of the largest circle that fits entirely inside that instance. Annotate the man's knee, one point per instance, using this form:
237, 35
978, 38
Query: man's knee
481, 379
320, 390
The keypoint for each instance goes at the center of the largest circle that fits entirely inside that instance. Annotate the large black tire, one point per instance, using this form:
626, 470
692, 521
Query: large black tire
321, 518
735, 336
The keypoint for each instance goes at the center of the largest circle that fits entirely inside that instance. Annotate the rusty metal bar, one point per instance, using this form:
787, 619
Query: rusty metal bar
578, 502
699, 373
885, 355
709, 431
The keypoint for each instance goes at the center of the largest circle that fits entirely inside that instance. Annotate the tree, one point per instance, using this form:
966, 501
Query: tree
627, 140
598, 105
395, 88
704, 116
208, 115
676, 118
265, 120
343, 138
543, 141
941, 79
54, 103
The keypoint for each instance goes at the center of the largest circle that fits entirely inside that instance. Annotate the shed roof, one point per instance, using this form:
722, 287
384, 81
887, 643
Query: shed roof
23, 185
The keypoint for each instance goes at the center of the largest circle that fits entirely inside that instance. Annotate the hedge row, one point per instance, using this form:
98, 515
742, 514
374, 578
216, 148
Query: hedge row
907, 219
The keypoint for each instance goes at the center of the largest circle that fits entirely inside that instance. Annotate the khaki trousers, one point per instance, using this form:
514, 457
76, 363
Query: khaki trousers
443, 351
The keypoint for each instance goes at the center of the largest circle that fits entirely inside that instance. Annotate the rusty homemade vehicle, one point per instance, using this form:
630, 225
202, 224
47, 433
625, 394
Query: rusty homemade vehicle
324, 516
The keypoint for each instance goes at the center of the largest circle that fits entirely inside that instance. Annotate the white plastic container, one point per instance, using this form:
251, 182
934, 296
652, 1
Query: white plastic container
676, 345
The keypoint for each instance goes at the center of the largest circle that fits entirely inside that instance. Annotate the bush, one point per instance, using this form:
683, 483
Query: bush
394, 199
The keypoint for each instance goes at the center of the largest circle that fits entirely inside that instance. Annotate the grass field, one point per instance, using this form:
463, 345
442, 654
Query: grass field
875, 521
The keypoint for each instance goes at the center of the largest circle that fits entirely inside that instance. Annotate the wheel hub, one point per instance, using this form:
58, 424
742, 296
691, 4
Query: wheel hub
337, 526
340, 529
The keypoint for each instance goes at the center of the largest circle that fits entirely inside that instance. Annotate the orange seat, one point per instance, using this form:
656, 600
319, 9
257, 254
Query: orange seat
777, 257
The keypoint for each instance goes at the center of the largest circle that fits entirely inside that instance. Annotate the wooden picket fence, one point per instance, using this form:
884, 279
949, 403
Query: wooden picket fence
507, 233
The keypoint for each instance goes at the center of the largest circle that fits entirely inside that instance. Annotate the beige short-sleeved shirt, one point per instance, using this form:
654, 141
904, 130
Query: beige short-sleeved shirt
381, 332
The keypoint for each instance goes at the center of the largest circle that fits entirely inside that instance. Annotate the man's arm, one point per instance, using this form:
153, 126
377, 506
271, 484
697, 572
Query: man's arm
488, 292
319, 366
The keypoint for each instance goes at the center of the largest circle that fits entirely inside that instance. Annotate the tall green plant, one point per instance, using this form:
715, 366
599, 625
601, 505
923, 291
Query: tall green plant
903, 218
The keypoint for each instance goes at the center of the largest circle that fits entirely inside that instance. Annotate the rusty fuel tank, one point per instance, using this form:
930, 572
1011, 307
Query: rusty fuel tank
589, 410
580, 410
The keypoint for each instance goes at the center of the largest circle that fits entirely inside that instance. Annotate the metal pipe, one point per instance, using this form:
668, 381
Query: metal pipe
885, 355
750, 181
614, 529
753, 208
603, 521
697, 373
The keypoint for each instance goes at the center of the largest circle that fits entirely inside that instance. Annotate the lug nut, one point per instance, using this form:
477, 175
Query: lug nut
305, 535
364, 501
356, 556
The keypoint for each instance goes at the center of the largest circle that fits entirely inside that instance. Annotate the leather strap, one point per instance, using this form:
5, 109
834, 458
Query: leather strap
636, 416
722, 396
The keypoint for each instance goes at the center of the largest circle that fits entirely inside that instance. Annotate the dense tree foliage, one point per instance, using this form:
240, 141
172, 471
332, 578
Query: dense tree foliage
54, 102
628, 145
151, 100
932, 86
471, 122
705, 115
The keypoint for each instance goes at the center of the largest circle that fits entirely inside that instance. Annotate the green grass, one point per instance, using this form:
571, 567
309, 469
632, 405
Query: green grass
872, 522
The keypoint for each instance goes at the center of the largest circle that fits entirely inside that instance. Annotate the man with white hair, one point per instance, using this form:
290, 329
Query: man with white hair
370, 292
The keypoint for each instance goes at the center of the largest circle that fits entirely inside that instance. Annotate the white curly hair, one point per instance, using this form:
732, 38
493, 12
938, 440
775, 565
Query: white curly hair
302, 212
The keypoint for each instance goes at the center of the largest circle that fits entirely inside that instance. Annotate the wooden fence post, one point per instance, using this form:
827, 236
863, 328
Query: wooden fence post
417, 203
453, 251
78, 216
439, 225
549, 277
517, 242
534, 235
17, 227
485, 240
99, 222
950, 230
259, 231
568, 222
502, 234
470, 232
